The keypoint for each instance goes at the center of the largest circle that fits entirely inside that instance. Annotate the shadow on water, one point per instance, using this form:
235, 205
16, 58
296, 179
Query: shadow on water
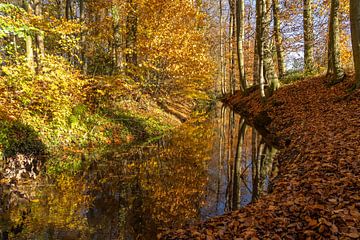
210, 165
22, 156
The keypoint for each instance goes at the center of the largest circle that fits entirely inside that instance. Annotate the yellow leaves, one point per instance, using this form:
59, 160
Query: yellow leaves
174, 46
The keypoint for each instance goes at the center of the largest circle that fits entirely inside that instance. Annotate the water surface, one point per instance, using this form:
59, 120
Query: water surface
210, 165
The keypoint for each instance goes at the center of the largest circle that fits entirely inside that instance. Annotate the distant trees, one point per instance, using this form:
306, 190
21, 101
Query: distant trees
317, 33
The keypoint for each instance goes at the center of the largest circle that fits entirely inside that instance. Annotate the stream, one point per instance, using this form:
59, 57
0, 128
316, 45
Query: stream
210, 165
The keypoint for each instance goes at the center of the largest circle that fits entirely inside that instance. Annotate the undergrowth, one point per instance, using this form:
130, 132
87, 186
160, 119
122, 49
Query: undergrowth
58, 108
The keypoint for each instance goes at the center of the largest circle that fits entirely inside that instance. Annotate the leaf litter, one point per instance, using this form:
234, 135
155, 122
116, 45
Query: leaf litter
316, 194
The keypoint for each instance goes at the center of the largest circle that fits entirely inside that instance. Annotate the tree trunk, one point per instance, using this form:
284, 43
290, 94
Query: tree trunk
39, 37
28, 42
68, 9
237, 166
222, 52
118, 39
256, 64
131, 39
278, 40
270, 73
308, 37
259, 45
335, 70
83, 38
240, 33
231, 46
355, 36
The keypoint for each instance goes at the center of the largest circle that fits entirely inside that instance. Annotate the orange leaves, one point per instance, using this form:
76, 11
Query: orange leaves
316, 193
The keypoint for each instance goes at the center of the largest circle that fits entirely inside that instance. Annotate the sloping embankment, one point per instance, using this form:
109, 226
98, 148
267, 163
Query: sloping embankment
316, 194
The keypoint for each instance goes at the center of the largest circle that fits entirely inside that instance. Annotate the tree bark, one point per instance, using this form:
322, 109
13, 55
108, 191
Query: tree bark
308, 37
240, 33
131, 39
83, 38
278, 40
256, 64
118, 39
335, 70
39, 37
270, 73
355, 36
231, 46
222, 52
259, 46
68, 9
28, 42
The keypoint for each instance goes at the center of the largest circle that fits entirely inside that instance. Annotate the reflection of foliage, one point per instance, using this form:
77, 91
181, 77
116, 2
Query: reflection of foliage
162, 184
175, 176
58, 210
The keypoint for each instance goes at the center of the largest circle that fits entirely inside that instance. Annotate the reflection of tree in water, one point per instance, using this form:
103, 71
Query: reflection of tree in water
130, 193
247, 157
158, 185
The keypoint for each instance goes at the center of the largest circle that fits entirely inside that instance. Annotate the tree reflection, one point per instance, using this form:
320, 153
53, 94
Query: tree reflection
247, 158
204, 168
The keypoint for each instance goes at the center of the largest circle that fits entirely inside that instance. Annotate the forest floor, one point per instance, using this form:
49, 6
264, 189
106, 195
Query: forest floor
316, 194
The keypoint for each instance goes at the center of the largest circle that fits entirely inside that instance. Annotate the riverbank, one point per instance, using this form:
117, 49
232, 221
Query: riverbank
316, 192
61, 109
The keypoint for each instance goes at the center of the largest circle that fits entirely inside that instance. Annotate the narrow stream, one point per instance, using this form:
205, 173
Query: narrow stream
208, 166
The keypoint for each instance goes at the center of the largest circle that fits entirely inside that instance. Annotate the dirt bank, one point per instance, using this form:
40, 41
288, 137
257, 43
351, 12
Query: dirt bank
316, 194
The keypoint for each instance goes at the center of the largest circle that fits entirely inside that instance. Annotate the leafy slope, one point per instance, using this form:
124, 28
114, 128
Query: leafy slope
316, 194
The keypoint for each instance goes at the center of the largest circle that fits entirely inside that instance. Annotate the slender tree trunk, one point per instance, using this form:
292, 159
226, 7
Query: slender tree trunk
278, 40
240, 33
237, 165
83, 38
255, 165
39, 37
68, 9
308, 37
259, 65
15, 46
256, 64
131, 39
28, 42
231, 46
270, 73
222, 51
355, 36
118, 39
335, 69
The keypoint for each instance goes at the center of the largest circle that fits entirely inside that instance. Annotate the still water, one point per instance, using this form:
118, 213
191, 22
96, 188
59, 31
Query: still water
210, 165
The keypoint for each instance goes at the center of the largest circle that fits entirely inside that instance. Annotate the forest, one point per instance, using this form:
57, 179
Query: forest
180, 119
